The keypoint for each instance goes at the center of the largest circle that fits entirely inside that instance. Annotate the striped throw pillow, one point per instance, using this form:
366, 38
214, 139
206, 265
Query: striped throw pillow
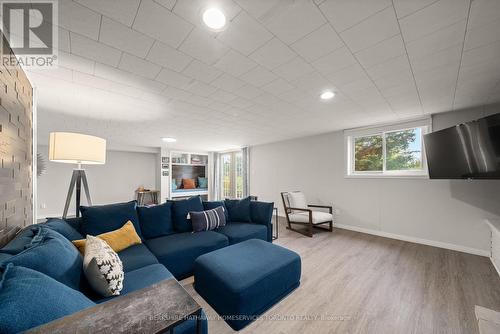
208, 220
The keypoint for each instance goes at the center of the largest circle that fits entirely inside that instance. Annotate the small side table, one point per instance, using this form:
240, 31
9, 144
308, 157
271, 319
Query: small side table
276, 223
142, 195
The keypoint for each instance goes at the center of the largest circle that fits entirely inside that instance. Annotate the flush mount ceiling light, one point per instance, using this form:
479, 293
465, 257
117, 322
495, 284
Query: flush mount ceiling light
327, 95
169, 139
214, 18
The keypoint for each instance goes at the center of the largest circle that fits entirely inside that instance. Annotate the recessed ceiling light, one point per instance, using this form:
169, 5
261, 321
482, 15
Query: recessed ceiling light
169, 139
327, 95
214, 18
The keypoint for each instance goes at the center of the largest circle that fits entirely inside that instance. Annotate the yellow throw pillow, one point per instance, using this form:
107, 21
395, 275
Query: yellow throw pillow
118, 240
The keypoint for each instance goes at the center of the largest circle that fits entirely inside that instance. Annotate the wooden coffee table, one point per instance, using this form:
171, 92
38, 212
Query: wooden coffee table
155, 309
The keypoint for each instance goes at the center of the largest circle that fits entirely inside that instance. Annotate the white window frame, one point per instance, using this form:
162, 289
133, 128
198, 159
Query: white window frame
232, 171
424, 124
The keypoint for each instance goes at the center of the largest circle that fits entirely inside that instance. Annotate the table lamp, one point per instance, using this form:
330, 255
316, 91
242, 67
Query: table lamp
79, 149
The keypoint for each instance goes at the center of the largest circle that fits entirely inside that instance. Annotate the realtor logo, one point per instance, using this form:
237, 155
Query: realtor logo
30, 29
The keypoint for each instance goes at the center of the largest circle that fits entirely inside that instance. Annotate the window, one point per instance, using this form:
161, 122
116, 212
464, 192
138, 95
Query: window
232, 175
395, 150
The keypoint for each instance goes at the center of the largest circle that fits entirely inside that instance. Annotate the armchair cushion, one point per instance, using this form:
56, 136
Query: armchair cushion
297, 199
303, 217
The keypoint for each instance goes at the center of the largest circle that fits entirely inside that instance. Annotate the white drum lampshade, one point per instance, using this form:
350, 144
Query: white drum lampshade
77, 148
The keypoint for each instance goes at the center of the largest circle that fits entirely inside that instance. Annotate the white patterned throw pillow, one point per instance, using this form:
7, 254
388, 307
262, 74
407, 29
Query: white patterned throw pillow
102, 267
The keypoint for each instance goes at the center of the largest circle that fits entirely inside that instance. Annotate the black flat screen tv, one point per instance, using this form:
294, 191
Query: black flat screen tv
466, 151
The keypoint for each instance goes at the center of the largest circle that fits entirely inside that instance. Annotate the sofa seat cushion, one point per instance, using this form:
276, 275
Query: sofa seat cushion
246, 279
178, 251
238, 232
53, 255
29, 298
318, 217
139, 279
136, 257
99, 219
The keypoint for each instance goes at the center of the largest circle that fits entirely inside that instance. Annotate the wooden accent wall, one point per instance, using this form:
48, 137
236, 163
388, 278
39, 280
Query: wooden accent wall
16, 148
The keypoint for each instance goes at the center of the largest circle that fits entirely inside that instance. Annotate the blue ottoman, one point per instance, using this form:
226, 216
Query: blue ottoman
244, 280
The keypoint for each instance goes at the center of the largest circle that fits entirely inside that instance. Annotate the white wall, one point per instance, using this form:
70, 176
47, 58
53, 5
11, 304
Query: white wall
439, 211
112, 182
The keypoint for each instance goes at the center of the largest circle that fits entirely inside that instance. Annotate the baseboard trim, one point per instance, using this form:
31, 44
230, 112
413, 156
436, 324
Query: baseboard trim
427, 242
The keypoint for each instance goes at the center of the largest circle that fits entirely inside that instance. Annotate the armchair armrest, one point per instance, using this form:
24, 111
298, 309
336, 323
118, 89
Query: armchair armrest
329, 207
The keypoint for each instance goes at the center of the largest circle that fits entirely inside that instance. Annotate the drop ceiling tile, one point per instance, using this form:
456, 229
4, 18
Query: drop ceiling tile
437, 41
235, 64
277, 87
223, 96
248, 91
482, 35
245, 34
293, 21
201, 71
273, 54
483, 12
139, 66
432, 18
121, 10
344, 14
76, 18
228, 83
126, 78
158, 22
173, 78
487, 54
240, 103
91, 49
168, 4
203, 46
122, 37
75, 62
313, 83
334, 61
447, 57
396, 65
166, 56
318, 43
347, 75
258, 76
200, 88
371, 31
293, 69
175, 93
381, 52
200, 101
192, 10
407, 7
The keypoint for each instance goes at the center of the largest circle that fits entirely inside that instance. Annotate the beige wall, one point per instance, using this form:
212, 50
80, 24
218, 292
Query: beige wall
113, 182
440, 211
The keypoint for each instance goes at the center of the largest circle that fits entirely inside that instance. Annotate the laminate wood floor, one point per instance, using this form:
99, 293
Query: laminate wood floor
359, 283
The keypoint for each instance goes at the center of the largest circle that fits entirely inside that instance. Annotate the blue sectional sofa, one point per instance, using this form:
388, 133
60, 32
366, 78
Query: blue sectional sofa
169, 248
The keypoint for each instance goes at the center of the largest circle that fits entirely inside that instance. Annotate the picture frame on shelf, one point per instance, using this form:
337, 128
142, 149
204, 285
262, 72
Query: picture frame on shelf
164, 166
165, 173
165, 160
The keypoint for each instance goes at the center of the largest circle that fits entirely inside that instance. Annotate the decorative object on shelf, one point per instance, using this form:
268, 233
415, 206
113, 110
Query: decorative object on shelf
41, 166
79, 149
164, 173
164, 166
165, 160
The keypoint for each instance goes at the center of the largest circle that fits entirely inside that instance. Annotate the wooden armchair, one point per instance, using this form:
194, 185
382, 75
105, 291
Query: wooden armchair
297, 211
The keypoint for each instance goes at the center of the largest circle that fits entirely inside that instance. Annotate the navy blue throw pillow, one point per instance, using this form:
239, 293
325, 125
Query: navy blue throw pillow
53, 255
208, 220
156, 221
100, 219
62, 227
209, 205
180, 210
29, 298
238, 210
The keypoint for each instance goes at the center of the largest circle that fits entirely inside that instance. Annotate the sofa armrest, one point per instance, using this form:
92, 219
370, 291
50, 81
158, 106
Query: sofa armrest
262, 213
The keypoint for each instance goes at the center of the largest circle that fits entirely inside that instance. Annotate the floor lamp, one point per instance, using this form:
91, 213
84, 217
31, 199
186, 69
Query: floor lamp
79, 149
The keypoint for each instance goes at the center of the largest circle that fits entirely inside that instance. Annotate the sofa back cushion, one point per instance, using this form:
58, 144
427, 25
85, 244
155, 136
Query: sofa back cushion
156, 221
63, 228
180, 210
20, 242
238, 210
100, 219
29, 298
208, 220
53, 255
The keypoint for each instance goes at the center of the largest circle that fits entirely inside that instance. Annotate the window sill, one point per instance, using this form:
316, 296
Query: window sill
386, 176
